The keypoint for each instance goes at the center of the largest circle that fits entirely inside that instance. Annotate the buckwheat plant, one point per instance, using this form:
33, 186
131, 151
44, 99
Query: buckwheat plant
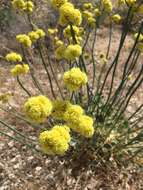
80, 110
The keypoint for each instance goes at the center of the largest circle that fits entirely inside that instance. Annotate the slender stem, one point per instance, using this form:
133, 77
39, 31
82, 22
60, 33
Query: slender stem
21, 85
35, 82
46, 69
93, 58
137, 110
19, 116
110, 39
18, 140
55, 78
115, 61
15, 130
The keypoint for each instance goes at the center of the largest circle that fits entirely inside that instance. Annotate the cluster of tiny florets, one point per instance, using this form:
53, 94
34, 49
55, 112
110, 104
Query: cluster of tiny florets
74, 116
27, 39
55, 141
74, 79
23, 5
38, 108
13, 57
69, 15
20, 69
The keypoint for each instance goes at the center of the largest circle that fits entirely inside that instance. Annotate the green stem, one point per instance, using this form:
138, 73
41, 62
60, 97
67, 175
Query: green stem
46, 69
18, 140
110, 39
15, 130
21, 85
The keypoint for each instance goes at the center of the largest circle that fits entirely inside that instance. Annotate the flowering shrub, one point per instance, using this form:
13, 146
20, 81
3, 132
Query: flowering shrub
87, 118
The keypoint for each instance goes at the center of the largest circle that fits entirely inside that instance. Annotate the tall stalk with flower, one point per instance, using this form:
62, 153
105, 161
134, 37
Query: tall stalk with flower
79, 116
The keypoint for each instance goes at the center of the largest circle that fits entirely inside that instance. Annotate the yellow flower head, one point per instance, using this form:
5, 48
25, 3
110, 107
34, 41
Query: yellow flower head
67, 31
74, 79
84, 126
88, 6
79, 40
68, 14
20, 69
140, 38
59, 53
58, 43
53, 142
58, 3
29, 6
24, 39
140, 47
121, 2
97, 12
38, 108
13, 57
116, 18
107, 4
87, 14
91, 22
73, 51
33, 36
64, 131
40, 33
52, 31
59, 108
131, 2
18, 4
73, 113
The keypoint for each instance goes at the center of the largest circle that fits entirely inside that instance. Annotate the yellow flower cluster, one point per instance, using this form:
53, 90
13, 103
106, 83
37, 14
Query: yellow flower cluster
74, 79
74, 116
116, 18
140, 41
20, 69
25, 5
37, 34
59, 52
13, 57
38, 108
89, 16
121, 2
107, 4
52, 31
87, 6
24, 39
55, 141
72, 113
83, 126
131, 2
58, 3
69, 15
97, 12
58, 43
18, 4
32, 36
67, 31
140, 47
78, 32
59, 109
72, 51
140, 38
